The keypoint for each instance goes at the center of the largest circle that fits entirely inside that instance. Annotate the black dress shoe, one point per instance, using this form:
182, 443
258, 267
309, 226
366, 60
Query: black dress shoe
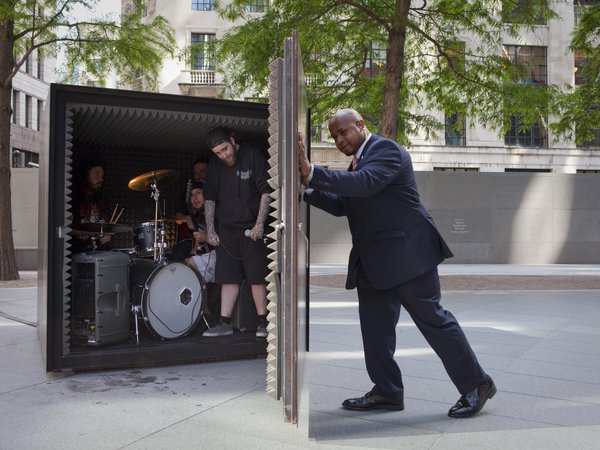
472, 402
373, 401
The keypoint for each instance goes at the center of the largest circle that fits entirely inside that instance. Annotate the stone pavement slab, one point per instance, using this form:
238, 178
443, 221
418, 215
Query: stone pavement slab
541, 347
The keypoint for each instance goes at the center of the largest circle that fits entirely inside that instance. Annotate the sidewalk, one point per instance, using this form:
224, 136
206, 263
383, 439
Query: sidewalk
541, 347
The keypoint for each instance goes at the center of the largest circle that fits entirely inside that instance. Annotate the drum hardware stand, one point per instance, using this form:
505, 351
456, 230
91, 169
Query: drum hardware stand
161, 246
136, 309
95, 238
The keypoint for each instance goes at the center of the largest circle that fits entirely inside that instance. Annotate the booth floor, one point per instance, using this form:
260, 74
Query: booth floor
542, 347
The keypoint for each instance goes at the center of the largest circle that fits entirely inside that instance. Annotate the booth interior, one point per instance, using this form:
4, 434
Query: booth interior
131, 303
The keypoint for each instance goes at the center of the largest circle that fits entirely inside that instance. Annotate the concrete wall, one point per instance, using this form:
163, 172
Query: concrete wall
487, 218
495, 218
24, 197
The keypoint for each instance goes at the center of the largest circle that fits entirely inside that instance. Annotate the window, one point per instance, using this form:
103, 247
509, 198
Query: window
529, 170
580, 59
40, 68
24, 159
455, 130
258, 6
376, 61
29, 64
28, 111
204, 5
522, 11
534, 70
40, 111
579, 7
535, 136
203, 51
16, 107
456, 169
316, 133
531, 59
594, 143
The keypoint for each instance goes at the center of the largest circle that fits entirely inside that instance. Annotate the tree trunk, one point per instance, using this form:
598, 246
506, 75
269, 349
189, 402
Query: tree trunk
8, 260
394, 71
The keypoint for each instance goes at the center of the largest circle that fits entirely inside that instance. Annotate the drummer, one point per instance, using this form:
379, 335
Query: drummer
89, 206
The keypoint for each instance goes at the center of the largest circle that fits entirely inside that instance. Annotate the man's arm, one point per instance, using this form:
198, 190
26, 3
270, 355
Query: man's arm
258, 230
379, 168
209, 216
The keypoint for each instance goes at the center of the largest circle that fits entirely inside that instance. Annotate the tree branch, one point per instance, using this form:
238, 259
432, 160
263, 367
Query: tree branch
364, 9
449, 59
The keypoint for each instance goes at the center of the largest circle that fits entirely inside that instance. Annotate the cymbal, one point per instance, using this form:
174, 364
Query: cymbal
144, 181
102, 228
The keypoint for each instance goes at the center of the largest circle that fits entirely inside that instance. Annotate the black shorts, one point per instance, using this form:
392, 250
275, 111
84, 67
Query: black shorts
239, 258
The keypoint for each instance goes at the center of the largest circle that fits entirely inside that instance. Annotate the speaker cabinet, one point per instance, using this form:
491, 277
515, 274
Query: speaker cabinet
100, 304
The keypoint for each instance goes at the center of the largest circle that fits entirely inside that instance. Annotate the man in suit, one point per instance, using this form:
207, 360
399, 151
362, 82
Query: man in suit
396, 249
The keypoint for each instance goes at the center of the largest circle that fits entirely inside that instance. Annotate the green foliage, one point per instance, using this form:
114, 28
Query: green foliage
578, 109
336, 38
98, 45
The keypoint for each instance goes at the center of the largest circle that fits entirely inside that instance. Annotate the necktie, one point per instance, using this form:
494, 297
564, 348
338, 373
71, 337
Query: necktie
354, 163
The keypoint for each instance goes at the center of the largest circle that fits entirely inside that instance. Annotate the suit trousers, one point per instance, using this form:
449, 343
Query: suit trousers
379, 311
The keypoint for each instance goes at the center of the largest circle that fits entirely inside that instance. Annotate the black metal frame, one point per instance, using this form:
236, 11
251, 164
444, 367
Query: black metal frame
54, 280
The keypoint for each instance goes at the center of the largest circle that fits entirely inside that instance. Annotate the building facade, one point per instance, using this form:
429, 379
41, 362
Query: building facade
196, 23
29, 94
462, 148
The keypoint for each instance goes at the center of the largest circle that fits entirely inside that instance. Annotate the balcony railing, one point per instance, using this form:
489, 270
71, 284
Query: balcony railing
198, 77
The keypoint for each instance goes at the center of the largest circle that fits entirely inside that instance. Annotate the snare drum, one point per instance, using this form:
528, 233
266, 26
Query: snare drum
143, 236
169, 297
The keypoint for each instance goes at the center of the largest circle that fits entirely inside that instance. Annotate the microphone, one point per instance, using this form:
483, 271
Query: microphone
248, 233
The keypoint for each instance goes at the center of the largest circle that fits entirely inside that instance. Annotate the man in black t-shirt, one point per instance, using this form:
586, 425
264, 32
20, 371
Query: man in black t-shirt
237, 203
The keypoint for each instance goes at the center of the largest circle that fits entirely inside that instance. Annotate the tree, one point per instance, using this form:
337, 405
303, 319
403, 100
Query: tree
387, 58
98, 45
579, 108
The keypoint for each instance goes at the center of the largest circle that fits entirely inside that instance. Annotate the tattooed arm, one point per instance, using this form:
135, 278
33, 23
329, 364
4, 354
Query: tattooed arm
209, 216
263, 212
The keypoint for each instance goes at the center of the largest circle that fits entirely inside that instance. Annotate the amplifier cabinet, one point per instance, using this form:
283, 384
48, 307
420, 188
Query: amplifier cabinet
100, 302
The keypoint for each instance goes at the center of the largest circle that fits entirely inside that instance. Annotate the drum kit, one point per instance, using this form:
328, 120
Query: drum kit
168, 296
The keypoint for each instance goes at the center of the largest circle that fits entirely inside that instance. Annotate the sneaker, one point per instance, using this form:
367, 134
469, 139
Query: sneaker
261, 330
221, 329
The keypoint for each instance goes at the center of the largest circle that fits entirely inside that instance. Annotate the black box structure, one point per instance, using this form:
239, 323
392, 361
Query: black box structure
81, 321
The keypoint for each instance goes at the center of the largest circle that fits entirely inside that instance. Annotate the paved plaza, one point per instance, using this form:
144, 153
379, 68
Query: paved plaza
542, 347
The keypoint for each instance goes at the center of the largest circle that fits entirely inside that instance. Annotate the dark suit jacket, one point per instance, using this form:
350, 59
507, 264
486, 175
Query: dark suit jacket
393, 235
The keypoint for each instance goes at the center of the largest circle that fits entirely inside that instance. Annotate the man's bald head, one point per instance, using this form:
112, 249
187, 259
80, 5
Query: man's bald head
348, 130
346, 114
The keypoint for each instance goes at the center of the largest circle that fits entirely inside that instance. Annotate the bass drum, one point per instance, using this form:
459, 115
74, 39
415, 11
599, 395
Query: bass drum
168, 296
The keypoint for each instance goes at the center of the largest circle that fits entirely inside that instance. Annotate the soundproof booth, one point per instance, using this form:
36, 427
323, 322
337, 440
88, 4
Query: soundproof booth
129, 303
114, 292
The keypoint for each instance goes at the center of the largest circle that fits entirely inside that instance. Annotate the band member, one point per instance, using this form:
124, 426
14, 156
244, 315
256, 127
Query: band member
89, 206
237, 206
199, 168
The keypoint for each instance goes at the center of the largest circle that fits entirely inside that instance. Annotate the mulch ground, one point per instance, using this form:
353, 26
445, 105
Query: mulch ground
27, 280
490, 282
449, 282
